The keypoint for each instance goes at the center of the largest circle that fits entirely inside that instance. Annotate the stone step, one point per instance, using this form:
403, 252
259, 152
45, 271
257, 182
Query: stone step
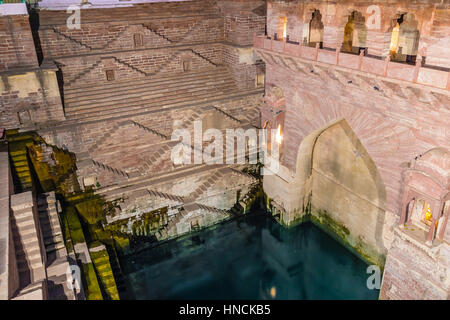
28, 251
31, 264
74, 91
131, 110
56, 238
50, 230
54, 247
51, 215
34, 255
23, 215
29, 236
155, 97
144, 86
146, 181
23, 232
126, 97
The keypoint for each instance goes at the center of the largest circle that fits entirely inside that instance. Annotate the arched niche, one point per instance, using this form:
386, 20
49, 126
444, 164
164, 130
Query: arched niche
355, 33
426, 183
405, 38
342, 188
313, 30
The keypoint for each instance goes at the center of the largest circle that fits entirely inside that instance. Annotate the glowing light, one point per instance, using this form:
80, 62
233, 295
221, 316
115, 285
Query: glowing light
273, 292
279, 137
284, 27
394, 39
428, 215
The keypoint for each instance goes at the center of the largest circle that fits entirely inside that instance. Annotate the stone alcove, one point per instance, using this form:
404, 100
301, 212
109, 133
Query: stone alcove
426, 197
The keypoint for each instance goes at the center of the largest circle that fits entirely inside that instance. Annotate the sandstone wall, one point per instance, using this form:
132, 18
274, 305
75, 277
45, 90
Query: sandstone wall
432, 19
85, 70
416, 272
16, 43
29, 97
58, 40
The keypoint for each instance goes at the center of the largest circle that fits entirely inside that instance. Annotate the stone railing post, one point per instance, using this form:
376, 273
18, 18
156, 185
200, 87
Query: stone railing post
405, 208
338, 52
316, 55
448, 81
386, 64
300, 45
430, 234
417, 68
435, 213
360, 62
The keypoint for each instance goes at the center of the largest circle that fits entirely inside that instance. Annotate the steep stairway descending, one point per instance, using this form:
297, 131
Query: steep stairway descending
117, 272
51, 227
166, 196
30, 262
226, 114
128, 97
100, 259
90, 162
205, 185
154, 159
153, 131
57, 260
20, 165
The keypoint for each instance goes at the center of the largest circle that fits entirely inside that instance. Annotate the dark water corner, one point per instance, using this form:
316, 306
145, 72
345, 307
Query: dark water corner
252, 257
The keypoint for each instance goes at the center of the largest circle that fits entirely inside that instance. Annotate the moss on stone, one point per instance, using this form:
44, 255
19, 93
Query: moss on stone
74, 226
341, 233
101, 261
91, 285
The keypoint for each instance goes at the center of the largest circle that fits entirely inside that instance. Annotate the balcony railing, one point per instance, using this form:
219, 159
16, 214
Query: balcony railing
385, 68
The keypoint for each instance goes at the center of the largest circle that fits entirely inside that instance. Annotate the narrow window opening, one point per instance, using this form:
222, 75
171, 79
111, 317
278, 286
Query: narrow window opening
110, 75
138, 40
316, 29
355, 34
405, 39
186, 65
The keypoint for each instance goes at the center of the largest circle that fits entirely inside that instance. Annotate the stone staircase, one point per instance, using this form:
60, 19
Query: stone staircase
156, 158
57, 257
153, 131
19, 160
109, 168
166, 196
51, 227
101, 260
205, 185
142, 95
26, 234
229, 116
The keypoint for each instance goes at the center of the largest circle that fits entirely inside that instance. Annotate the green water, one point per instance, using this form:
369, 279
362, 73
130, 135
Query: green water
249, 258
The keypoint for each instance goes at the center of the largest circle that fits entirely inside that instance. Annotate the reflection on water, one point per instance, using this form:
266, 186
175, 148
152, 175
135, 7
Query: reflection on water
249, 258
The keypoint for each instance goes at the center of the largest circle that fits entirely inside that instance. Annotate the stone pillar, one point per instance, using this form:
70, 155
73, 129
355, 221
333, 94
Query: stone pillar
430, 236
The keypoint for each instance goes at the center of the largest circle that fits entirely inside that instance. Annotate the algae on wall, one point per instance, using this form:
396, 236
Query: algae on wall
101, 261
41, 167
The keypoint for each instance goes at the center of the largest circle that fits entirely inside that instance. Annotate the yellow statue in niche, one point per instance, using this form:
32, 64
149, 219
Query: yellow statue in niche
428, 215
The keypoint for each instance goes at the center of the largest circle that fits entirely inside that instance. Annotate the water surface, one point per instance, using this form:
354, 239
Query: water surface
252, 257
